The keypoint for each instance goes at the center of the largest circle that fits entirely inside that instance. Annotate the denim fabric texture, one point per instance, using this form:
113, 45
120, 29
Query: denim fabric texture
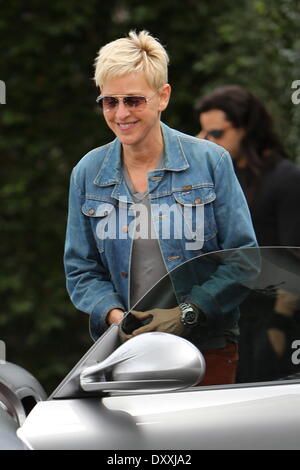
196, 174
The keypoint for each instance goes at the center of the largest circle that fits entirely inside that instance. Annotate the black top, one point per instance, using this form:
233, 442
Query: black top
275, 206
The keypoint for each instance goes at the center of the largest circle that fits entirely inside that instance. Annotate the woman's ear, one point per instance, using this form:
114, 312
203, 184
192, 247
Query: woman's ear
164, 96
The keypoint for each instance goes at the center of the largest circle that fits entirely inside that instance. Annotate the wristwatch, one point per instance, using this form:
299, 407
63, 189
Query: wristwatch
191, 315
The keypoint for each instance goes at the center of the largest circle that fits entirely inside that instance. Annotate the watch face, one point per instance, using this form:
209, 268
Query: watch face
190, 317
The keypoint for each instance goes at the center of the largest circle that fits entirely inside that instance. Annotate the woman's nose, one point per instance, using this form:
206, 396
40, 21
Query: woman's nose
122, 110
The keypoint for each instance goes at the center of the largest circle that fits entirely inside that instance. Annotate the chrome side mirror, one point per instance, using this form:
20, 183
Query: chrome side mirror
150, 362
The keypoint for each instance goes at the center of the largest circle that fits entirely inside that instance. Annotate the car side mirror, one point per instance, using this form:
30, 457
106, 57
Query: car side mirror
150, 362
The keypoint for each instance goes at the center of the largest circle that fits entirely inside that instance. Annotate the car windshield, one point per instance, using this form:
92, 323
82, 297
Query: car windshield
250, 298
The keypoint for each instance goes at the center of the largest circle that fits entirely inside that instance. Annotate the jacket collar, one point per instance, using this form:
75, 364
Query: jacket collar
111, 168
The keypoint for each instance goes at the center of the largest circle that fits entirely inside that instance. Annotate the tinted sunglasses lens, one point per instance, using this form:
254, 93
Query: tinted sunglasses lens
134, 101
215, 133
108, 102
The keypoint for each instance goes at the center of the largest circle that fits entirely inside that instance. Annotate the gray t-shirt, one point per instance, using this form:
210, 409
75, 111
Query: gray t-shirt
147, 265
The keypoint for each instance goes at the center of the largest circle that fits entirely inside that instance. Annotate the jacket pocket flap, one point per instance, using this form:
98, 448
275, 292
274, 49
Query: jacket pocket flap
195, 197
94, 208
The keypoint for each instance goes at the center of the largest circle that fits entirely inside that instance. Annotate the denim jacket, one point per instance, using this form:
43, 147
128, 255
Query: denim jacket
197, 179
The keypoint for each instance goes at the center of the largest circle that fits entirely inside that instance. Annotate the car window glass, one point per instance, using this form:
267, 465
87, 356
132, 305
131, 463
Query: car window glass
251, 298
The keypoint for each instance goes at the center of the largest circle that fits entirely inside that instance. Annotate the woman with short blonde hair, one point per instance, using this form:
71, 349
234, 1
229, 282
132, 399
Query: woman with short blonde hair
155, 174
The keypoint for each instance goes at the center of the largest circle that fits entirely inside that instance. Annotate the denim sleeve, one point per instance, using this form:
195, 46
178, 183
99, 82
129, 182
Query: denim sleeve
235, 229
227, 287
88, 283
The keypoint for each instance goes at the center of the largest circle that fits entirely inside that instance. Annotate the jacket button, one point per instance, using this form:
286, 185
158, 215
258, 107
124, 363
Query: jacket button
91, 212
125, 228
197, 201
123, 274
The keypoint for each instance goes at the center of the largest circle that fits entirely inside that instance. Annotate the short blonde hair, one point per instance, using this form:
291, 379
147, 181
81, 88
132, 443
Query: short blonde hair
135, 53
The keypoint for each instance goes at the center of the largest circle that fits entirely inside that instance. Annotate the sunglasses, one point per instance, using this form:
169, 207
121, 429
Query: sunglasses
215, 133
109, 103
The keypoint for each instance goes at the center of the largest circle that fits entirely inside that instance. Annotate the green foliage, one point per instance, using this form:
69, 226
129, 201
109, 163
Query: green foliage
50, 121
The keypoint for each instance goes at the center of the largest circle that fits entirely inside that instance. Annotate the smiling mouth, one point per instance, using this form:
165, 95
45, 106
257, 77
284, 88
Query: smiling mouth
126, 125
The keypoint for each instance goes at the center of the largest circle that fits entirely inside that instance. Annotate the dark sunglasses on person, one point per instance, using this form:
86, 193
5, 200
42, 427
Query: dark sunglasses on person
109, 103
215, 133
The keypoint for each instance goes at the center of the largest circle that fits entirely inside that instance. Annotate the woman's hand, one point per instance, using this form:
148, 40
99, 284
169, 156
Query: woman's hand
167, 320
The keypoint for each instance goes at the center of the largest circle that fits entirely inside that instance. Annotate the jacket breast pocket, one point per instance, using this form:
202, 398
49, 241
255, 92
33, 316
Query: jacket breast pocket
102, 218
196, 206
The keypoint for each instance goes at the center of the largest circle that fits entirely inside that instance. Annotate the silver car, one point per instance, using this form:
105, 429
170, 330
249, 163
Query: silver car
146, 393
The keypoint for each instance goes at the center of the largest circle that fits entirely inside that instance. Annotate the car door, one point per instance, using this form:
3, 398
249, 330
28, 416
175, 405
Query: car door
261, 409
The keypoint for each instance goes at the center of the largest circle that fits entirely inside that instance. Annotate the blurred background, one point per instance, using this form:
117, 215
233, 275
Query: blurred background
50, 120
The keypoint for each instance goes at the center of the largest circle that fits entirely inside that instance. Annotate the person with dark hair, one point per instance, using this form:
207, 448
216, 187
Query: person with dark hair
236, 119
